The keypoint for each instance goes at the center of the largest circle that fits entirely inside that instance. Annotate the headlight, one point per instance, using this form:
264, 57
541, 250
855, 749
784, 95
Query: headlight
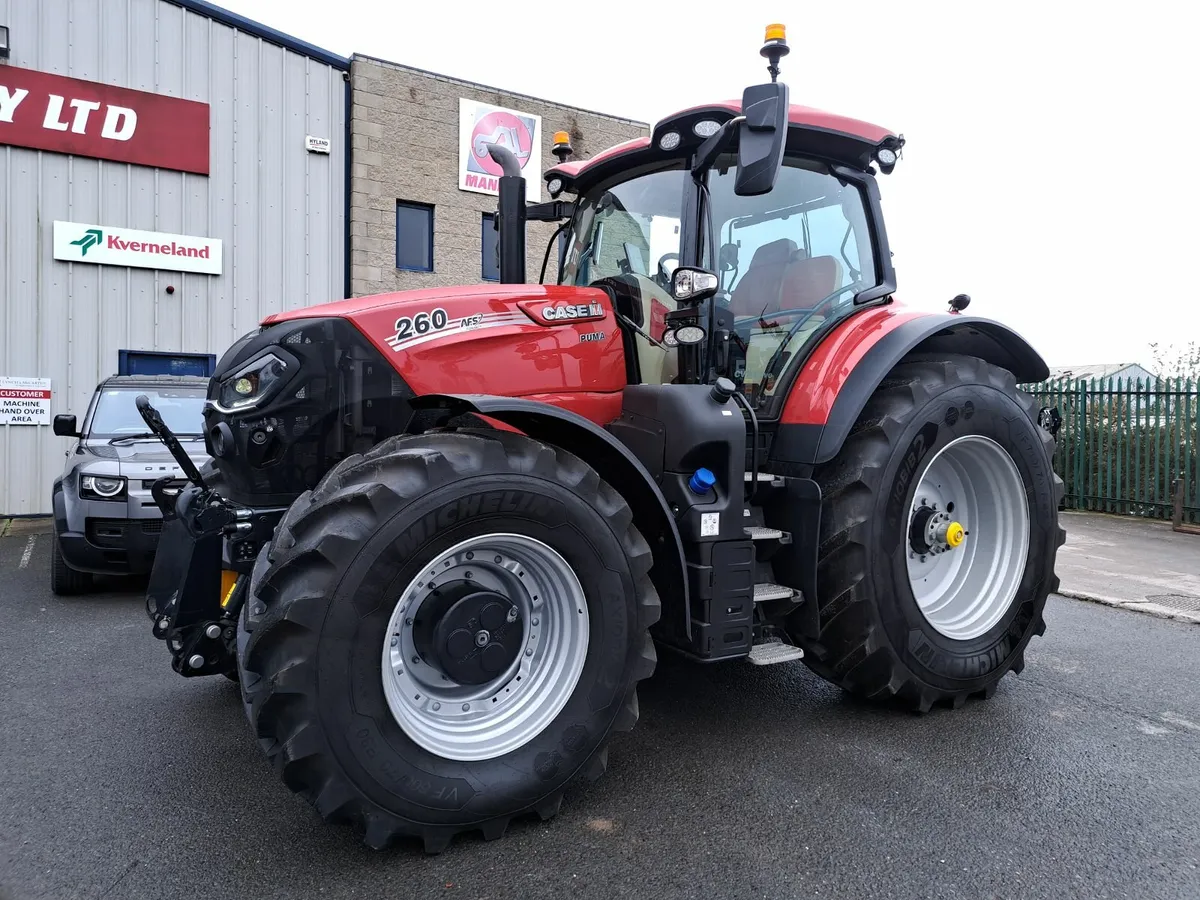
689, 334
251, 384
101, 487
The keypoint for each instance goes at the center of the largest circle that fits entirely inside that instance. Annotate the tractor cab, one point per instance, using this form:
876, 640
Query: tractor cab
768, 212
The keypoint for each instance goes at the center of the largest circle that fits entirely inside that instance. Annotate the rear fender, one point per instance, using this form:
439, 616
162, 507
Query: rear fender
615, 463
807, 439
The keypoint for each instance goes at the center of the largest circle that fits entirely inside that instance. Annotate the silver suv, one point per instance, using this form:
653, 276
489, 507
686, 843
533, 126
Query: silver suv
105, 519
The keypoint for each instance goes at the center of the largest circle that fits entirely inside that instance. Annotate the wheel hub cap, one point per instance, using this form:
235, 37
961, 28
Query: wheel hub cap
485, 646
968, 537
474, 638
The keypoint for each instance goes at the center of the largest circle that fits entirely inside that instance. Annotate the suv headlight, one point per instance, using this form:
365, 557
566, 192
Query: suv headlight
251, 384
101, 487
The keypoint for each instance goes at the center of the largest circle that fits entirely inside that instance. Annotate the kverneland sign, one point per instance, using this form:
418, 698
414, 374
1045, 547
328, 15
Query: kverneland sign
67, 115
108, 246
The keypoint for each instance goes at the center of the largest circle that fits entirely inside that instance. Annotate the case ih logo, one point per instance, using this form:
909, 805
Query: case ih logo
573, 312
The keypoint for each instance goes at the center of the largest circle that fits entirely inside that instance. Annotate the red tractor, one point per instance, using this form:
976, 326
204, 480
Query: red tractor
445, 530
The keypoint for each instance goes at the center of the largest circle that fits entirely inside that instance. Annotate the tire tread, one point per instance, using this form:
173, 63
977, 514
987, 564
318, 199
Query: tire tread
847, 648
322, 530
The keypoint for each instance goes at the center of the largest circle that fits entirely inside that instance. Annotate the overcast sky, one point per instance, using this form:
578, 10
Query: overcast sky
1048, 168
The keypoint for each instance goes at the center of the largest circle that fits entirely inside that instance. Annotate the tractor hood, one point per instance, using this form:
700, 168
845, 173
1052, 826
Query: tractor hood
487, 297
315, 384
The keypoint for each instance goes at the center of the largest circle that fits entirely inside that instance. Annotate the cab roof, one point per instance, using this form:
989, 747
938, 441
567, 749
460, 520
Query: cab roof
811, 132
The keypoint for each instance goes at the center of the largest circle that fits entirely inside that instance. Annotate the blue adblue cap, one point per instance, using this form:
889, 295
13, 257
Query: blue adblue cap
702, 481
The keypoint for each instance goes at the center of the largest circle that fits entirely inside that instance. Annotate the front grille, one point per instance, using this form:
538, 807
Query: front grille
174, 484
116, 533
106, 532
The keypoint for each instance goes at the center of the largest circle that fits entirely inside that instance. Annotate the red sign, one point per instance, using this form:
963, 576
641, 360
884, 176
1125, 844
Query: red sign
67, 115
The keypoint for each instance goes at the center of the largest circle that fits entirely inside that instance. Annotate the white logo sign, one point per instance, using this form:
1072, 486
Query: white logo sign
25, 401
108, 246
316, 144
481, 124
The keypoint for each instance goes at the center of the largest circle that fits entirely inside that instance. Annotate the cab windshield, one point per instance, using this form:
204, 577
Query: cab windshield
628, 228
788, 261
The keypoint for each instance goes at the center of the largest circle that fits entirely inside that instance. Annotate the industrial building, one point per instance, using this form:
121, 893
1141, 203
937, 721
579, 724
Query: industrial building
422, 197
171, 172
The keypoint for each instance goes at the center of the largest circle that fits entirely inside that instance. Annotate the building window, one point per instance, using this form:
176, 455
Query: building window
491, 248
414, 236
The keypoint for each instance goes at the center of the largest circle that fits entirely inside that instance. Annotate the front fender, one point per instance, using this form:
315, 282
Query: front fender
873, 344
615, 463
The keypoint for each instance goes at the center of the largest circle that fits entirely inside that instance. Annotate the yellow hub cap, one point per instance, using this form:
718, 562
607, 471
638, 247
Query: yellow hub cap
955, 534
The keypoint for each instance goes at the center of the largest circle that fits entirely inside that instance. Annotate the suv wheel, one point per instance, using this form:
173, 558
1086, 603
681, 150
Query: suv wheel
65, 581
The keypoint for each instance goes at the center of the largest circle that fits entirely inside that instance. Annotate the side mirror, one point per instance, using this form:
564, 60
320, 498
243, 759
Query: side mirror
64, 426
727, 257
762, 138
691, 285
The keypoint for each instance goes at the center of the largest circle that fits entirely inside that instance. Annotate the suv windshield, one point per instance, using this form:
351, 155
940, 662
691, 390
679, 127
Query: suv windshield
115, 412
788, 261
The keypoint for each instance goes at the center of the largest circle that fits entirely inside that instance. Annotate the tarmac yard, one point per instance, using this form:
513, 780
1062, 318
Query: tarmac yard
1079, 778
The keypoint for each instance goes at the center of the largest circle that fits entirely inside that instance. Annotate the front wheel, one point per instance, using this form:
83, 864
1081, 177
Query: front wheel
938, 537
445, 633
65, 581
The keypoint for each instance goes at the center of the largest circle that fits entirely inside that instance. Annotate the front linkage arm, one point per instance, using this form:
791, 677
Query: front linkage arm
185, 597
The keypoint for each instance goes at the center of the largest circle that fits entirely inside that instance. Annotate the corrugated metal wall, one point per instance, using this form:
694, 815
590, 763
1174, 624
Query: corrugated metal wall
279, 209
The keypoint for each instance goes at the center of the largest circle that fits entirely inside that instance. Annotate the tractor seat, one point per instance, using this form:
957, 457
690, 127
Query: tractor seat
808, 281
758, 291
782, 276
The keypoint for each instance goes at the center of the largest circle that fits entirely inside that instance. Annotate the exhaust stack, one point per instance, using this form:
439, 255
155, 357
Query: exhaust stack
511, 217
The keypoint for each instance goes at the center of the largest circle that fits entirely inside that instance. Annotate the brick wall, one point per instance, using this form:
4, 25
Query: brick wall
404, 135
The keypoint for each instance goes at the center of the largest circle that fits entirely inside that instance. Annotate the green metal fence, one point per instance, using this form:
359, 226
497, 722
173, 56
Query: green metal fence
1123, 443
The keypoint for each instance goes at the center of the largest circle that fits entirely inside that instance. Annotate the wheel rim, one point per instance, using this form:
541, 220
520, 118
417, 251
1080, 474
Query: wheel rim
965, 580
544, 629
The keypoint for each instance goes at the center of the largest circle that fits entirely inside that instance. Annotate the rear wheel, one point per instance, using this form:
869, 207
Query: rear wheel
65, 581
938, 537
445, 633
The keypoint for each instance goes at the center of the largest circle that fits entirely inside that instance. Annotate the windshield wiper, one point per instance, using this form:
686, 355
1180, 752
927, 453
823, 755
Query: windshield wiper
146, 435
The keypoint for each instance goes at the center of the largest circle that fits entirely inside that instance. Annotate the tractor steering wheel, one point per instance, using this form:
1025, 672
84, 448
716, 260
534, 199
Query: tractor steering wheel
807, 311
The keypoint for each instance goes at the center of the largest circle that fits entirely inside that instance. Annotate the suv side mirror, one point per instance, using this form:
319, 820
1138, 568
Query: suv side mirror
761, 138
64, 426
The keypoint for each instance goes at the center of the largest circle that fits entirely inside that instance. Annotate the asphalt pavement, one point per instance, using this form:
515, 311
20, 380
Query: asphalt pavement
1136, 563
1080, 778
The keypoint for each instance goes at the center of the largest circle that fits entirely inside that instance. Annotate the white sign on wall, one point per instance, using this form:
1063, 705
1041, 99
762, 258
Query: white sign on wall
24, 401
480, 124
108, 246
315, 144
